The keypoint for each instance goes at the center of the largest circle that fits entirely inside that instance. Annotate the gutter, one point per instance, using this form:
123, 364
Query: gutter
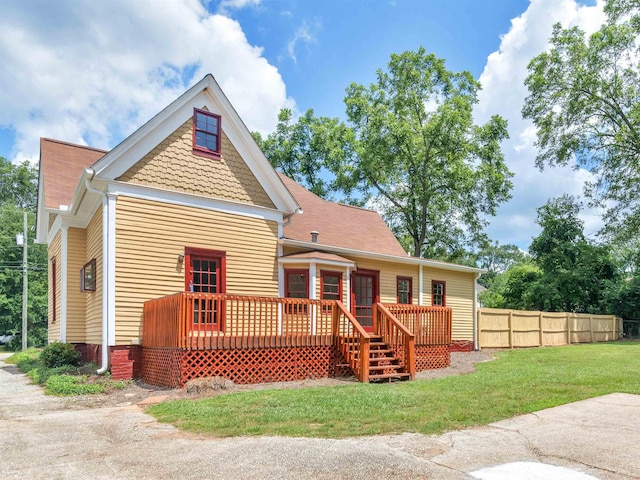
105, 261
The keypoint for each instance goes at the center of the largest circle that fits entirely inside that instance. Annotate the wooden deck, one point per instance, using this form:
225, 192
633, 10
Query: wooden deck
258, 339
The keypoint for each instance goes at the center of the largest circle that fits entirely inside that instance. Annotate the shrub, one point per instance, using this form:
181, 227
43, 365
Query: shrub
59, 354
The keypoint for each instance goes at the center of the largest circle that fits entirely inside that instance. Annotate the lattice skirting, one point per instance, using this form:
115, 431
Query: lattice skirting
428, 357
260, 365
161, 366
431, 357
172, 368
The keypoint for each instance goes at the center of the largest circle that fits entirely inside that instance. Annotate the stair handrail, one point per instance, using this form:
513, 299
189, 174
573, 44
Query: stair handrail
408, 337
361, 367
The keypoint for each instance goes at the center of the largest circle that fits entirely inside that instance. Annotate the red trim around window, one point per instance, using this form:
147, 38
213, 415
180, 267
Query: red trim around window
407, 279
54, 286
329, 273
436, 284
206, 134
205, 253
296, 271
208, 314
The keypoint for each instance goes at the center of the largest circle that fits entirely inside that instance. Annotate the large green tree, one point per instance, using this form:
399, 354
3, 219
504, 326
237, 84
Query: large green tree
584, 100
409, 147
578, 276
419, 150
307, 149
18, 193
565, 272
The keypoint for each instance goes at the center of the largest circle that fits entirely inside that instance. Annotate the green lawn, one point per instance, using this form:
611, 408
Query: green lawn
519, 381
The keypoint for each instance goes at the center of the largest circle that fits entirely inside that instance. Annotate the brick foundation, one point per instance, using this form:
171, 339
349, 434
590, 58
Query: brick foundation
125, 362
461, 346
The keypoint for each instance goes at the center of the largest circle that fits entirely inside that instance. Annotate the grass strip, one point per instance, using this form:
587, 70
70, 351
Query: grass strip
519, 381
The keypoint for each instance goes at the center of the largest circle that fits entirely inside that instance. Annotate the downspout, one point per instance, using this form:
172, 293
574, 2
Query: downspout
105, 260
475, 312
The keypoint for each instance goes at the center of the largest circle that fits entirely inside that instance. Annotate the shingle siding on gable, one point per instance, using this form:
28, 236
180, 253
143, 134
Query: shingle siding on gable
173, 165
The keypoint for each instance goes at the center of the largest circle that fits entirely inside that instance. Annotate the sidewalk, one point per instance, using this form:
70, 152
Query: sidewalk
49, 438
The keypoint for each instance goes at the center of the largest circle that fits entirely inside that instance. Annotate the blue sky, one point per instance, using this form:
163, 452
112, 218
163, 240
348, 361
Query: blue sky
339, 42
92, 72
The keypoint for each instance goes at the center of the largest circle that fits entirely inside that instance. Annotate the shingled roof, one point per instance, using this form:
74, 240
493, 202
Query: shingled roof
339, 225
61, 165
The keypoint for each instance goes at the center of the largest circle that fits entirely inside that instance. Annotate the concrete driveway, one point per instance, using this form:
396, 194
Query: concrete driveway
49, 438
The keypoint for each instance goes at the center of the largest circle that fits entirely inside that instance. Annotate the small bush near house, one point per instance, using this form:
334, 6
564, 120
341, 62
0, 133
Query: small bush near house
63, 379
60, 354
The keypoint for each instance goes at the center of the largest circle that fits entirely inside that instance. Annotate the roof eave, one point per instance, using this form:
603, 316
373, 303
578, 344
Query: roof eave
381, 256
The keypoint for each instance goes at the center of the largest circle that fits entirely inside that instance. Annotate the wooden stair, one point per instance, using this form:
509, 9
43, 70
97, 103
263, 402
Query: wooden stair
384, 365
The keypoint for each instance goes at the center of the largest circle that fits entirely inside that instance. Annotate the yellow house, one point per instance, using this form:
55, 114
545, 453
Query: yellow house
181, 252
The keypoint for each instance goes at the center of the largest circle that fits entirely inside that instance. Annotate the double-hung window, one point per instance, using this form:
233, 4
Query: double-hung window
296, 284
206, 133
330, 286
403, 287
438, 293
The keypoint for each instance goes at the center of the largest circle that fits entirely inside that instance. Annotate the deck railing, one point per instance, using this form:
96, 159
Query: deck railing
396, 335
203, 321
431, 325
353, 340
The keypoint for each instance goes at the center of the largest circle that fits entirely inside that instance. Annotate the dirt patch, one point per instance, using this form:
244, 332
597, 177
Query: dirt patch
141, 393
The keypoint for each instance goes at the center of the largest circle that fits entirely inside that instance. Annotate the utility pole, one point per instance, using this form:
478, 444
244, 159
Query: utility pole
21, 239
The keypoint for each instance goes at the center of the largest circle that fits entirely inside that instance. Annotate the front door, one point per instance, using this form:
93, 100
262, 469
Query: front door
205, 274
364, 293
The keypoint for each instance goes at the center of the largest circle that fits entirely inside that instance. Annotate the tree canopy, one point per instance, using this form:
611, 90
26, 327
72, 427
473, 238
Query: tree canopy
565, 272
583, 99
410, 148
18, 192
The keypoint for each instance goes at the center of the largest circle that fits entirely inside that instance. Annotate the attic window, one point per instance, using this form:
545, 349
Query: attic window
206, 133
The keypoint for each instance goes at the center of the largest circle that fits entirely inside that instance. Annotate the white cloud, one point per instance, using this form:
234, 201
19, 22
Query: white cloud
306, 33
89, 72
226, 5
504, 93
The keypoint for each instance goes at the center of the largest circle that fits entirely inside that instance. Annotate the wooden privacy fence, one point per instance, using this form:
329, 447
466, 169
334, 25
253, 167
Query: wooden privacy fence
499, 328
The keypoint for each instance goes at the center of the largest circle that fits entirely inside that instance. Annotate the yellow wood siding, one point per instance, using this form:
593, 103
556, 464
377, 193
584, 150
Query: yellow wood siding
172, 165
76, 302
150, 236
459, 296
54, 254
389, 272
459, 288
93, 300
